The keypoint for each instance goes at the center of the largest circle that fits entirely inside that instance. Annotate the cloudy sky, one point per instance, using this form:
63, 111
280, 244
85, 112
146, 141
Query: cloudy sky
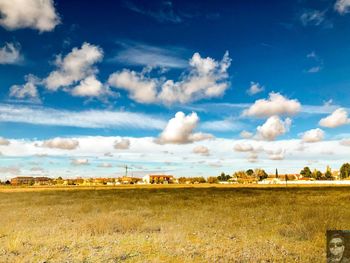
179, 87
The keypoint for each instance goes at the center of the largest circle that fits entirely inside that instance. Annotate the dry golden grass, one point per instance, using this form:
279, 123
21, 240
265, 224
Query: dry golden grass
171, 224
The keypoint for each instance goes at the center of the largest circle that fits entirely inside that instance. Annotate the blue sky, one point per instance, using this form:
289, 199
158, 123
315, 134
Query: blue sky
207, 87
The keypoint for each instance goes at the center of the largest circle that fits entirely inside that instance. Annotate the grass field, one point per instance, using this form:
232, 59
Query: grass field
172, 224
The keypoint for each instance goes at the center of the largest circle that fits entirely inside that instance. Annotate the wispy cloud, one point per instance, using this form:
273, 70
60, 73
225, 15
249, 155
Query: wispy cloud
225, 108
316, 61
81, 119
226, 125
162, 12
136, 53
315, 18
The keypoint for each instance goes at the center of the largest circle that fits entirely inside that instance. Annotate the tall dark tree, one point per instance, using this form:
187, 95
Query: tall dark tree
345, 170
306, 172
276, 173
328, 175
250, 172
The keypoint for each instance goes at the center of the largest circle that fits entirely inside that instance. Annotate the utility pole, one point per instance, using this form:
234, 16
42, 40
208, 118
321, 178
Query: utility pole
126, 170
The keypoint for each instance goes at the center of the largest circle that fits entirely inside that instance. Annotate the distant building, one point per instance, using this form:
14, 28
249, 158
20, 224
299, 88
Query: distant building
22, 180
129, 180
158, 179
42, 181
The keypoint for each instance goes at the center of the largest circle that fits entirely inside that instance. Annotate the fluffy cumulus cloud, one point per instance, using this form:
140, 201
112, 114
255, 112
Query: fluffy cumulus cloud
10, 53
4, 142
255, 88
35, 14
61, 143
314, 135
180, 130
141, 88
78, 65
206, 78
243, 147
88, 87
80, 161
122, 144
275, 154
246, 134
29, 90
276, 104
272, 128
342, 6
202, 150
338, 117
253, 157
345, 142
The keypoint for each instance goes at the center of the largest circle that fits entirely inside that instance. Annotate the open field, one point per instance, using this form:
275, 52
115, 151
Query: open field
170, 224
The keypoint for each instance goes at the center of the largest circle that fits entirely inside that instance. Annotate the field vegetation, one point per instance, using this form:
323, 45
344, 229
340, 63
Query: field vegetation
170, 224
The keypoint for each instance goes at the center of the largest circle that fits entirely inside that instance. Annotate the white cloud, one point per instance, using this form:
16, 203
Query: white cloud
221, 125
206, 78
134, 53
253, 157
202, 150
105, 165
338, 118
314, 135
122, 144
342, 6
10, 53
88, 87
80, 161
160, 11
345, 142
314, 69
142, 89
276, 104
4, 142
13, 170
275, 154
35, 14
246, 134
28, 90
255, 88
61, 143
74, 67
82, 119
272, 128
243, 147
312, 17
179, 130
315, 60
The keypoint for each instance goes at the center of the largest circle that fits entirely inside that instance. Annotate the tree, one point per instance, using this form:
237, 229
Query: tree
240, 174
317, 174
182, 180
276, 173
212, 180
328, 175
249, 172
306, 172
345, 171
223, 177
260, 174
